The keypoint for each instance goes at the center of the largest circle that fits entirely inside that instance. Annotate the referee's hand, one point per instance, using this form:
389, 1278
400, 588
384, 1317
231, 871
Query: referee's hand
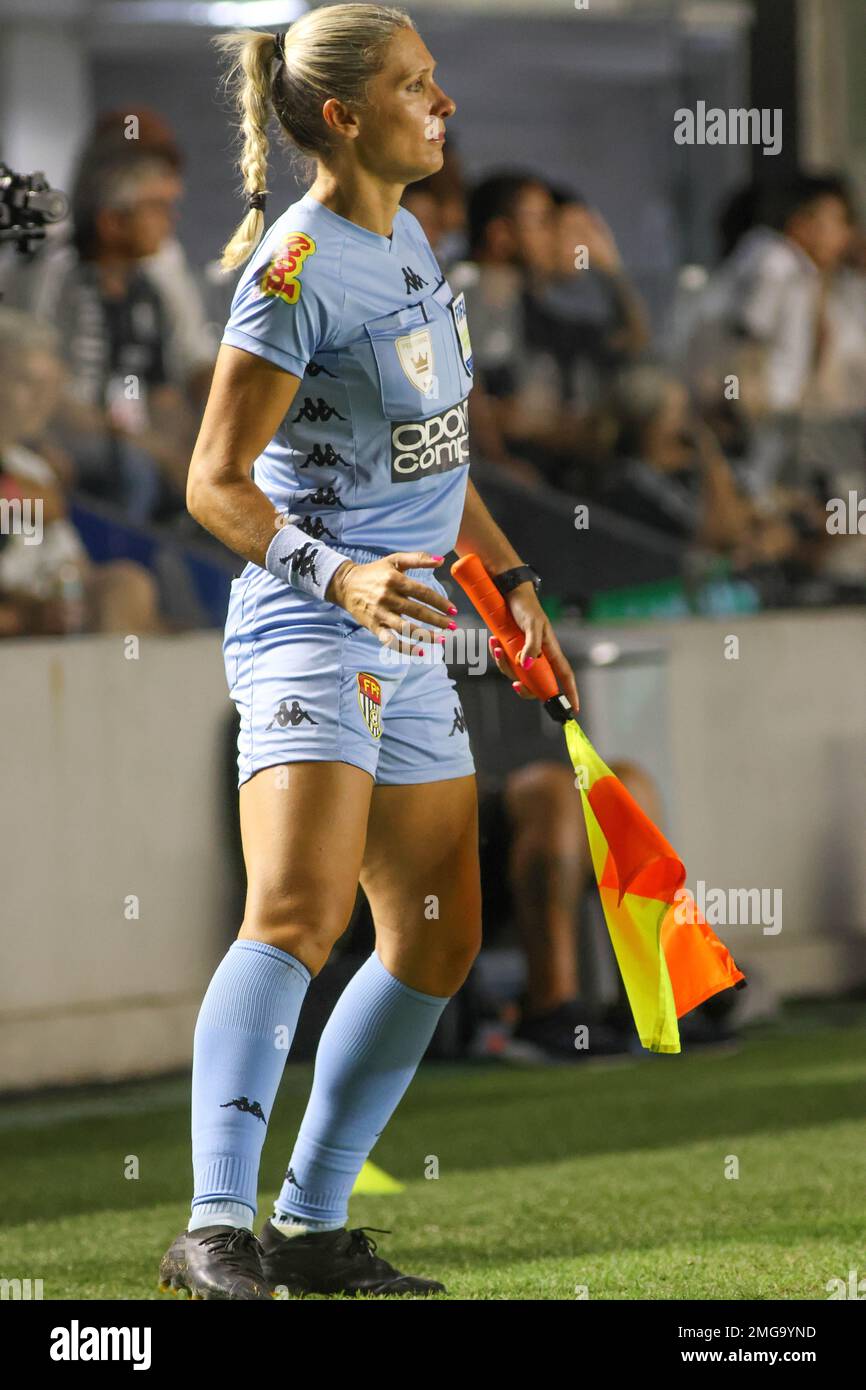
540, 637
380, 596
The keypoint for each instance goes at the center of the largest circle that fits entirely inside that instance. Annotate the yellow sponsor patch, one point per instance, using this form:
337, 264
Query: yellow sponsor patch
370, 700
280, 280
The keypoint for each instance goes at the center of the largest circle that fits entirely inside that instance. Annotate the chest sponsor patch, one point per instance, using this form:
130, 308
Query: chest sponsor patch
420, 448
370, 700
280, 280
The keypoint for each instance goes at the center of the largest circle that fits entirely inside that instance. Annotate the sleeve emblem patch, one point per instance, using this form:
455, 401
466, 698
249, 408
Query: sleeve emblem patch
280, 280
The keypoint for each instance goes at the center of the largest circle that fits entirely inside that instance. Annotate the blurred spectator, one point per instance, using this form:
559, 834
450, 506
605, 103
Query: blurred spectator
517, 418
781, 329
668, 471
192, 335
535, 348
780, 281
48, 584
129, 430
191, 340
588, 310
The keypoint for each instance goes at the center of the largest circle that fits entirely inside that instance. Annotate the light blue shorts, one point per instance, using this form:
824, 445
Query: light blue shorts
310, 683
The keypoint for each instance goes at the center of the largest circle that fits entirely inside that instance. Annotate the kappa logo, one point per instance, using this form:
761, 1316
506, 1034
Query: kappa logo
280, 280
459, 725
412, 278
422, 447
316, 368
302, 561
324, 496
290, 1178
294, 716
314, 410
370, 700
326, 457
415, 355
315, 527
249, 1107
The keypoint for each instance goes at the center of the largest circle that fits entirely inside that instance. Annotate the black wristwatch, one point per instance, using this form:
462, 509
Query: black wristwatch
510, 579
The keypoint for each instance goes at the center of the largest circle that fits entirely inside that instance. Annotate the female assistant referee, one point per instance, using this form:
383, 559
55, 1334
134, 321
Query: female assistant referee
333, 455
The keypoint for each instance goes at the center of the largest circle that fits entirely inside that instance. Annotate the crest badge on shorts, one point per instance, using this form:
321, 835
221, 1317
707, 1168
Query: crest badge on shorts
458, 314
415, 355
370, 700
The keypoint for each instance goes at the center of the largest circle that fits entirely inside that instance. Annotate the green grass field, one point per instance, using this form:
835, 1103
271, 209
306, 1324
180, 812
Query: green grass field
608, 1175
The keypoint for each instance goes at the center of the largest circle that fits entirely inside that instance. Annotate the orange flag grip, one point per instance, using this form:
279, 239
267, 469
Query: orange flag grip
490, 604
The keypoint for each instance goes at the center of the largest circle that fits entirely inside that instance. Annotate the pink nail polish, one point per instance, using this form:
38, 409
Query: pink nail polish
441, 639
452, 609
497, 652
420, 651
440, 559
515, 685
527, 663
453, 627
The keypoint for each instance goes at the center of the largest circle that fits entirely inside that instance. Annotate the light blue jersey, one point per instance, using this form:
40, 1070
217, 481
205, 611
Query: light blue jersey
374, 453
371, 458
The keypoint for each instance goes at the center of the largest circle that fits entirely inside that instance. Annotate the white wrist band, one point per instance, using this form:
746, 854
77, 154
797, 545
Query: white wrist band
301, 562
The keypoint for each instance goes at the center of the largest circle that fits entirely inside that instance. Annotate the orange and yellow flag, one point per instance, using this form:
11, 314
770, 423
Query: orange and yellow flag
669, 957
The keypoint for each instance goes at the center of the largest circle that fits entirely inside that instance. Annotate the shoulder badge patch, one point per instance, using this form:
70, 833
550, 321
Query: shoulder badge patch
370, 700
280, 280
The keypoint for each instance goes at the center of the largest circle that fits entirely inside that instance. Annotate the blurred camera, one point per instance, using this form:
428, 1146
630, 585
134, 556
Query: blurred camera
28, 204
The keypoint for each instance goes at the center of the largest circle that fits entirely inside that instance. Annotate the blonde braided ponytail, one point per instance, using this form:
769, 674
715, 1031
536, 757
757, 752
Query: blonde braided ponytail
329, 52
249, 78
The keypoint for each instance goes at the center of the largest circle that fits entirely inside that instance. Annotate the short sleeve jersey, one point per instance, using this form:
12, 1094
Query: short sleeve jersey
374, 451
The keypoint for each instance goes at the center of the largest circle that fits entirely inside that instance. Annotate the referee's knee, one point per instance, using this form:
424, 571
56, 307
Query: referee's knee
441, 970
451, 962
309, 936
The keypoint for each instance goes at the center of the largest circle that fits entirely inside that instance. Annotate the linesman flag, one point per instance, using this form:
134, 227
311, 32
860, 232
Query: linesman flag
670, 959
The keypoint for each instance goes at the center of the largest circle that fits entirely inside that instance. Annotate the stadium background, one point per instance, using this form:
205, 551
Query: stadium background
118, 774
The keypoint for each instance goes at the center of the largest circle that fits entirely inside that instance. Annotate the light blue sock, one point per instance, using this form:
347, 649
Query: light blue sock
367, 1055
243, 1034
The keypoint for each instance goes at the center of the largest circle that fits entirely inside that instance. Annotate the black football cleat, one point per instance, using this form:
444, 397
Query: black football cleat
335, 1262
215, 1262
